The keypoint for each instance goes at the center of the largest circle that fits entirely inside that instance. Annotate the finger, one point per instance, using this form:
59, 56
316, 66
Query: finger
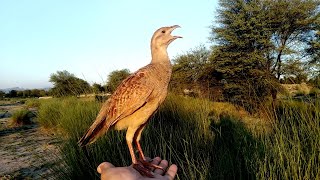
156, 161
104, 166
148, 159
164, 165
171, 172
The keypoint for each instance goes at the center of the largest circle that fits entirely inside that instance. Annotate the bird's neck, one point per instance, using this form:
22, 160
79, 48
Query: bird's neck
159, 55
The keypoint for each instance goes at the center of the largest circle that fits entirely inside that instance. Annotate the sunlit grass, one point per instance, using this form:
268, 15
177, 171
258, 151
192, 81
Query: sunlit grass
207, 140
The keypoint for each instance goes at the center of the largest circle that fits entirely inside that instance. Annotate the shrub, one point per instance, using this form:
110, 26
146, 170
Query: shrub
33, 103
21, 117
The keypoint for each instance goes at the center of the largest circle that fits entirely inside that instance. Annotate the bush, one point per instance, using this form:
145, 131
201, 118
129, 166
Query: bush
21, 117
33, 103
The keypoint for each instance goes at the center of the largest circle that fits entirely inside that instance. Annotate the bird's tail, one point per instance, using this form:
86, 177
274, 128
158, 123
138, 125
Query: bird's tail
93, 133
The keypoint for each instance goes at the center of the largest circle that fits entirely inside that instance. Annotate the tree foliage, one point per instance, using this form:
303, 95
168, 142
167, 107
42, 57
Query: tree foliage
193, 72
293, 26
243, 38
67, 84
189, 67
254, 38
115, 78
2, 94
294, 72
97, 88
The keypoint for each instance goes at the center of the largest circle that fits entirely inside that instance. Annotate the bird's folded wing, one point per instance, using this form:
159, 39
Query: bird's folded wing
131, 95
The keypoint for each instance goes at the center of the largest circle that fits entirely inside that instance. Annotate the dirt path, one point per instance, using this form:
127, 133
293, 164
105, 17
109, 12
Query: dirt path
26, 152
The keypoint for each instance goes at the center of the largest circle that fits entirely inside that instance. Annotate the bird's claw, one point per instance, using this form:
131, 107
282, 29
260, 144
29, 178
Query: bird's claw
145, 167
149, 165
142, 170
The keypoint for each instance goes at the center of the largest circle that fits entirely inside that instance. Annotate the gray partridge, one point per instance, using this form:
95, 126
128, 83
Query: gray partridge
136, 99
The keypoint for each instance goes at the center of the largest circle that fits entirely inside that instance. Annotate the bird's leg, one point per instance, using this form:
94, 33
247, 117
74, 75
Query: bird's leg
143, 159
136, 164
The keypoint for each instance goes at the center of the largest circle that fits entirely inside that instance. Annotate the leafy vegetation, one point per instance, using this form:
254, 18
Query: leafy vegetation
115, 78
66, 84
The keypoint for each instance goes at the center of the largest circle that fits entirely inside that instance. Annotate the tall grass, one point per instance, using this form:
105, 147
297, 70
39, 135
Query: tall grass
203, 139
292, 151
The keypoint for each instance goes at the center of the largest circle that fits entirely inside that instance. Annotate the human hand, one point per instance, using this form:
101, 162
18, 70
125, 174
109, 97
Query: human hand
110, 172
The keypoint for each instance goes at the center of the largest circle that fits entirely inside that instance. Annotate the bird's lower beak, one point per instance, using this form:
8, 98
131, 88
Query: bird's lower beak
173, 28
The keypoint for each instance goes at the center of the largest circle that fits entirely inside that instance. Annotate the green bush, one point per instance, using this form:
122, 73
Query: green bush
33, 103
21, 117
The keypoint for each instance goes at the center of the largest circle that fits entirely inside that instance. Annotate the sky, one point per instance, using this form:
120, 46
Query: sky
91, 38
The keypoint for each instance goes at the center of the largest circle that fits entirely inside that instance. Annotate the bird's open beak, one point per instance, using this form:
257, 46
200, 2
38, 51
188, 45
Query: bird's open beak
173, 28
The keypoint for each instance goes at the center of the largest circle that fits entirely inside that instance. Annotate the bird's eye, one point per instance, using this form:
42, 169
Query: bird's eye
163, 31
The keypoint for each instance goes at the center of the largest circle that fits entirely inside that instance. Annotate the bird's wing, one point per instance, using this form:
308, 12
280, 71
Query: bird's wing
130, 96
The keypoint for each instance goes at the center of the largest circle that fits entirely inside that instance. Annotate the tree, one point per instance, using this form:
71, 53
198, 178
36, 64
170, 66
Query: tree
97, 88
294, 72
35, 93
192, 71
293, 23
2, 94
189, 67
27, 93
12, 93
313, 50
115, 78
19, 93
243, 42
254, 38
66, 84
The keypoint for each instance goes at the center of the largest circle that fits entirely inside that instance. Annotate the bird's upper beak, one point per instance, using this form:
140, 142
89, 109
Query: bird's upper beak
173, 28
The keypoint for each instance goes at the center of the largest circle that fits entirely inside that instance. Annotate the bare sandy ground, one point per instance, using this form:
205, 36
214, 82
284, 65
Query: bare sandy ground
26, 152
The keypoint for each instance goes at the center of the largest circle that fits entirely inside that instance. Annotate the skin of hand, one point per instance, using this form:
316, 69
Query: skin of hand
110, 172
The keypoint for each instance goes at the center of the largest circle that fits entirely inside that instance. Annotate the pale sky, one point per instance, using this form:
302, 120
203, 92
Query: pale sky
91, 38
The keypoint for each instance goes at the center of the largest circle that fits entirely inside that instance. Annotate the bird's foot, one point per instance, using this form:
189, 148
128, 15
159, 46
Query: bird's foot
149, 165
142, 170
145, 167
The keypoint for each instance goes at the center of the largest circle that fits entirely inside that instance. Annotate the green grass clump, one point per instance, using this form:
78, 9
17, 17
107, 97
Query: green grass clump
49, 113
32, 103
21, 117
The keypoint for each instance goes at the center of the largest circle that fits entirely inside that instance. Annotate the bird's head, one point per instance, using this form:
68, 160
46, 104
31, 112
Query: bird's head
162, 37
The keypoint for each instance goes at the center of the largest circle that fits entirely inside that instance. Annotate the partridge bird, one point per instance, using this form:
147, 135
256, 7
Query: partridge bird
136, 99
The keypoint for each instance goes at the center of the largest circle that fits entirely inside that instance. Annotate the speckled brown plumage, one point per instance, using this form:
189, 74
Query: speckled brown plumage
137, 98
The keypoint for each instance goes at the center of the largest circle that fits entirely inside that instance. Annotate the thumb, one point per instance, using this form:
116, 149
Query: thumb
104, 166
